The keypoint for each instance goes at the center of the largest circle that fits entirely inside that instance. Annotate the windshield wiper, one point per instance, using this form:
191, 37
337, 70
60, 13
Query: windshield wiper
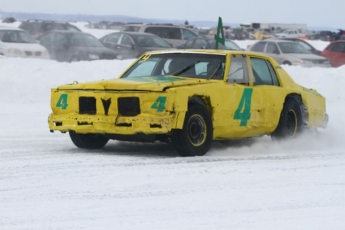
184, 69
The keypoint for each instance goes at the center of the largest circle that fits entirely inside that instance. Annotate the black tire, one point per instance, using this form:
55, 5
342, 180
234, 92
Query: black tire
290, 122
196, 137
287, 63
88, 141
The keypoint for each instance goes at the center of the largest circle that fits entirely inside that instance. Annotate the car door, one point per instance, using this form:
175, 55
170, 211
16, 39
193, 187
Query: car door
273, 51
47, 41
112, 42
61, 47
335, 53
126, 47
267, 93
243, 113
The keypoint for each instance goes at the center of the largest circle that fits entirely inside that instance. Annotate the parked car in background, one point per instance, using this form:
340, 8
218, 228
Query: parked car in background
173, 34
291, 33
335, 52
261, 35
133, 44
289, 53
323, 35
208, 43
73, 46
15, 42
9, 20
304, 43
38, 27
236, 34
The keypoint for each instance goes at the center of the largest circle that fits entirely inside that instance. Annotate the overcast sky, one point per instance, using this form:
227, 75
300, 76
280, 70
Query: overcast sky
313, 13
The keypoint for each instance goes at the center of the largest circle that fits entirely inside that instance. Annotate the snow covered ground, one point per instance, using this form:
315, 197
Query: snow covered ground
47, 183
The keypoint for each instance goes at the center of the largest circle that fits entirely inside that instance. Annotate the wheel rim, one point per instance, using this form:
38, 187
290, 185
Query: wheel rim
196, 130
291, 123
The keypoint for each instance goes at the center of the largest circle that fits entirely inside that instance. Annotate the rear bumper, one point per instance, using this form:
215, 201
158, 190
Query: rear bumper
100, 124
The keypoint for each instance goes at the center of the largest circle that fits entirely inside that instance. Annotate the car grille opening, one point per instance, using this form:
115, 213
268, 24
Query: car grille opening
128, 106
28, 53
38, 53
87, 105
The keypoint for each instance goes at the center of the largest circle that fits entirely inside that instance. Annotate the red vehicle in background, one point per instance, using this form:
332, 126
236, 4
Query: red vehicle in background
335, 52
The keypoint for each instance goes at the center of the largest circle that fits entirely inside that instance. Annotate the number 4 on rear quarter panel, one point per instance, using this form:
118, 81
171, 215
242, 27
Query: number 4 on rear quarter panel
62, 102
242, 112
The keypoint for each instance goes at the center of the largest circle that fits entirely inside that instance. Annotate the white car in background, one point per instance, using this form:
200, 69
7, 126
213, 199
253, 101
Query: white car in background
291, 33
15, 42
289, 53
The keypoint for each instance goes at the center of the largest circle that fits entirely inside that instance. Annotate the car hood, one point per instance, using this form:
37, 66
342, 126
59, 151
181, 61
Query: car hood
144, 83
306, 56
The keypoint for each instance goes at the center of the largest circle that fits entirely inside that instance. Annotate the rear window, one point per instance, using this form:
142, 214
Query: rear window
258, 47
131, 28
337, 47
165, 32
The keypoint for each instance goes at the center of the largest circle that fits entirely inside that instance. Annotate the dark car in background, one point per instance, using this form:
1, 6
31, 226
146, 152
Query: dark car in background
304, 43
208, 43
335, 52
323, 35
236, 34
73, 46
38, 27
174, 34
133, 44
9, 20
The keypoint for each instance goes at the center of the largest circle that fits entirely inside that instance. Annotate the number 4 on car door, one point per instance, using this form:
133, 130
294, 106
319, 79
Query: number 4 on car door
242, 112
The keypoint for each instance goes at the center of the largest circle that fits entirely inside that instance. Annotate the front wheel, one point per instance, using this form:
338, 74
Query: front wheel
196, 137
88, 141
290, 122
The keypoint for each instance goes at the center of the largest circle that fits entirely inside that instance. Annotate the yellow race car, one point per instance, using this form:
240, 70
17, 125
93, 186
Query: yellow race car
188, 98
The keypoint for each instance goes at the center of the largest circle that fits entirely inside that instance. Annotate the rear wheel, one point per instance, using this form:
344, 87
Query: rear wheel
196, 137
291, 122
88, 141
287, 63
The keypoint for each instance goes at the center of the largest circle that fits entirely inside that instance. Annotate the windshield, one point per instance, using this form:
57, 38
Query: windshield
85, 40
190, 65
14, 36
292, 47
150, 41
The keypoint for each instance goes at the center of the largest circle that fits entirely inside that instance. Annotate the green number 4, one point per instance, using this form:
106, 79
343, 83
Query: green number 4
243, 110
159, 104
62, 102
219, 37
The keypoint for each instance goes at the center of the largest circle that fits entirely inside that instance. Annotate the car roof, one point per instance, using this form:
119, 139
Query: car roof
66, 32
134, 33
206, 51
156, 25
276, 40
